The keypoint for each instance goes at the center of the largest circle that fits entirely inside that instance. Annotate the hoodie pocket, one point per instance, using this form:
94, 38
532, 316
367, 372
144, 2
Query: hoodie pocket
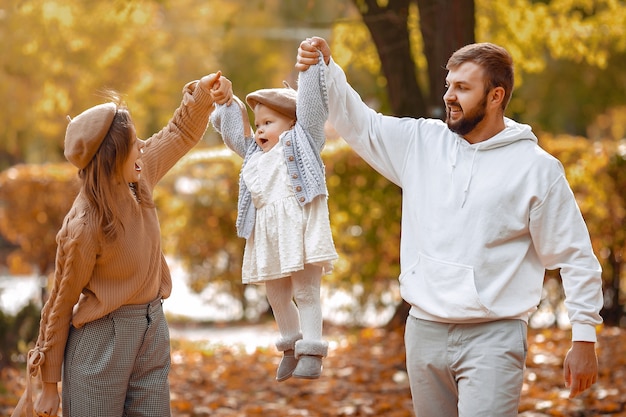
443, 290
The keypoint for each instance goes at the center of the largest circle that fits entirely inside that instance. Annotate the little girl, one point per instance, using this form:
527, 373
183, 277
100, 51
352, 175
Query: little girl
283, 211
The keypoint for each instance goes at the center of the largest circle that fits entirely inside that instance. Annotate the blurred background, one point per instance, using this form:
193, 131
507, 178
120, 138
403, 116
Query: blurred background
59, 56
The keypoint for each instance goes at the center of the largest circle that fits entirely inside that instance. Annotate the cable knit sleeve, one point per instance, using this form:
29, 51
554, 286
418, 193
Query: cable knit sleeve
228, 121
184, 130
75, 260
312, 104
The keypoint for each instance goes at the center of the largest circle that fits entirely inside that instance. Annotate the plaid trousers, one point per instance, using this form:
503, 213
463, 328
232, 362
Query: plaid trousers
118, 366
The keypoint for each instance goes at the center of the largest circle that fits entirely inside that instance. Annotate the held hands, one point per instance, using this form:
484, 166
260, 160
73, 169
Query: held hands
228, 98
221, 88
308, 52
580, 368
47, 405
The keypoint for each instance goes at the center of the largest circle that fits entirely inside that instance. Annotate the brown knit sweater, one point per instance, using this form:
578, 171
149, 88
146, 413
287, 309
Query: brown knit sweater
93, 278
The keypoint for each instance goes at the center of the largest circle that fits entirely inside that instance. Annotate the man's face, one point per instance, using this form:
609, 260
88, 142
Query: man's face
465, 98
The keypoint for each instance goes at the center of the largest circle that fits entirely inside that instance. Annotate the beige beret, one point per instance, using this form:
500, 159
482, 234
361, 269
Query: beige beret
85, 133
282, 100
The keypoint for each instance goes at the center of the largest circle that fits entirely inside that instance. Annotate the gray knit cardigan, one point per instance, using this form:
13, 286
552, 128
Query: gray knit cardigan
302, 145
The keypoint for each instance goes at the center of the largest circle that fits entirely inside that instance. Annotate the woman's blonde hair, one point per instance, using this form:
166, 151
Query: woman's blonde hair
101, 176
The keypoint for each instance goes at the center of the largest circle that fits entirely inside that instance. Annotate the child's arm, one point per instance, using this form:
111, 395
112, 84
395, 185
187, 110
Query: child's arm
247, 129
232, 123
312, 103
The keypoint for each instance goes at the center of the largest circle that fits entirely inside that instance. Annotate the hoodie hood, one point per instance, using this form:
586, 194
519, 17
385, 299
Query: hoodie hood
512, 132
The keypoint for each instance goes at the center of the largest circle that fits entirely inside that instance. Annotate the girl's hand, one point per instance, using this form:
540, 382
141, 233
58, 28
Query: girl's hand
308, 52
47, 405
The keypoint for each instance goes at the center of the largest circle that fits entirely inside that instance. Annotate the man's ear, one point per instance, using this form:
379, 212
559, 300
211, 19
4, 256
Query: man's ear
497, 95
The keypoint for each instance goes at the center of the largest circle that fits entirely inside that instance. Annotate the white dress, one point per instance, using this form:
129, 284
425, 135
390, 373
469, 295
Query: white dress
286, 236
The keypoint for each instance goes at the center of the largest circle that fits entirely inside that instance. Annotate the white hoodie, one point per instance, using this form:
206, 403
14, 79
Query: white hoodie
480, 222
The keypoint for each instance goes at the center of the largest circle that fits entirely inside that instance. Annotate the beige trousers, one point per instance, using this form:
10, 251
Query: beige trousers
465, 370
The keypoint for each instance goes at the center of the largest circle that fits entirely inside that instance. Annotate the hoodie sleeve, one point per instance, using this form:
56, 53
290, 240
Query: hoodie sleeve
561, 239
382, 141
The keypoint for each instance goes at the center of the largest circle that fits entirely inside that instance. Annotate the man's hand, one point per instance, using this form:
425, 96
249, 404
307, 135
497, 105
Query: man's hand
580, 368
308, 53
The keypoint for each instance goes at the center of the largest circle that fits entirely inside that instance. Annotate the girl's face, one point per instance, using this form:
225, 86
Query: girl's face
132, 166
269, 126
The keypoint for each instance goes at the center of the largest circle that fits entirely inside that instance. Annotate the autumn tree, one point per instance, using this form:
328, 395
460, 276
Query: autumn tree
445, 26
616, 247
55, 59
552, 42
34, 199
59, 56
568, 55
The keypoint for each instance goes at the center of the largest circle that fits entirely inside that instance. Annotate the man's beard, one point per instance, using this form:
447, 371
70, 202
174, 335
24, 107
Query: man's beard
469, 121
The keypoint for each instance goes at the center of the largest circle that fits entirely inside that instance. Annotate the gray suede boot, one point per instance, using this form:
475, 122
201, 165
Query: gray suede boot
288, 362
309, 354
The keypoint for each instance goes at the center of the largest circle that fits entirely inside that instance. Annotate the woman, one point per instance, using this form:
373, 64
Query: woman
103, 326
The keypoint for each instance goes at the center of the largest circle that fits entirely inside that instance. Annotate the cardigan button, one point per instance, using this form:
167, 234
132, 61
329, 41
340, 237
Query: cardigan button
302, 199
291, 158
288, 143
294, 176
298, 188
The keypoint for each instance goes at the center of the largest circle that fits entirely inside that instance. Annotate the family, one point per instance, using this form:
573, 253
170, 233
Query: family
485, 211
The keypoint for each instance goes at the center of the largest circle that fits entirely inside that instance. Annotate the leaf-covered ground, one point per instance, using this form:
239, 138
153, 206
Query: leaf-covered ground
363, 376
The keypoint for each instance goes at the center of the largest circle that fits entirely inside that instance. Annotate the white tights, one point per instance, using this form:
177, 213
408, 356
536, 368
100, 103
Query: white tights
295, 301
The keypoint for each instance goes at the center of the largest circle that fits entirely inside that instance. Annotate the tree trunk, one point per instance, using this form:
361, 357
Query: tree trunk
446, 26
399, 317
390, 33
613, 311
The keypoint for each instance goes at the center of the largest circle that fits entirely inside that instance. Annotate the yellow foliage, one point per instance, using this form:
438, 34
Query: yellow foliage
353, 47
33, 202
578, 30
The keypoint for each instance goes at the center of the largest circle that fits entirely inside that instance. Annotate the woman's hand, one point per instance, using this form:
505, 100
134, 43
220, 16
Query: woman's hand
221, 88
47, 405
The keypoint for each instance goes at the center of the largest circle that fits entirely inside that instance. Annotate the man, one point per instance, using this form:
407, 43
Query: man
485, 212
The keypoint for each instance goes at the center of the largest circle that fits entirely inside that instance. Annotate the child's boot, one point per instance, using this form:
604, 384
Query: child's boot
309, 354
288, 362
